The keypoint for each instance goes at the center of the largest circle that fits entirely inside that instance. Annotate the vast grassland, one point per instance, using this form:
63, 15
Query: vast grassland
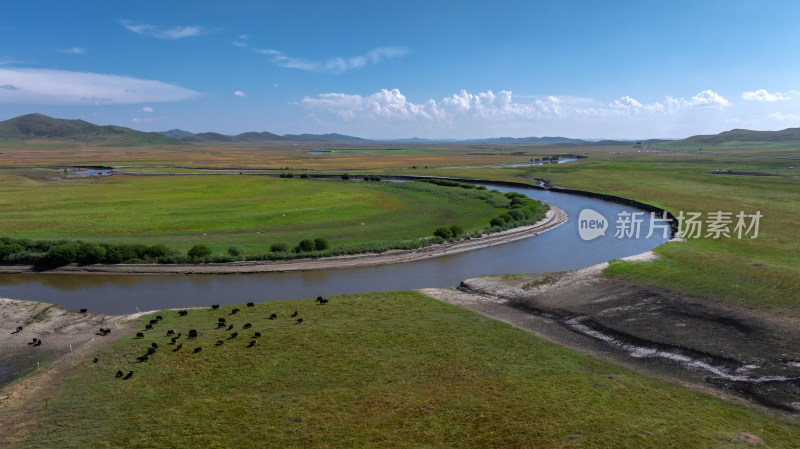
392, 369
220, 211
763, 272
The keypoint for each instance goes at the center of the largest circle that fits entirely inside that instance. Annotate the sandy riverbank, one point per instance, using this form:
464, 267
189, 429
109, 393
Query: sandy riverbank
554, 218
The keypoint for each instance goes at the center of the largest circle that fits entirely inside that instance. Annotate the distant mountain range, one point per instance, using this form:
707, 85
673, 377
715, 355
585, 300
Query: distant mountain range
41, 127
252, 137
33, 127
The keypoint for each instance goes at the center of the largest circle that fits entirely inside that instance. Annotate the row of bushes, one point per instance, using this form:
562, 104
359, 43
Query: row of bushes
449, 183
305, 246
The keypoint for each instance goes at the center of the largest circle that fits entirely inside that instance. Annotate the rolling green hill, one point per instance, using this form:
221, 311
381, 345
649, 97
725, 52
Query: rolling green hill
739, 137
41, 127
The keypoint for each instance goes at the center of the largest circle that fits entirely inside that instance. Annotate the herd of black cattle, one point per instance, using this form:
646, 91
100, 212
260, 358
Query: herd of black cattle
192, 334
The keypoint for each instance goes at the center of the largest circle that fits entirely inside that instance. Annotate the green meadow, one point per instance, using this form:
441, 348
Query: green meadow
763, 272
396, 369
220, 211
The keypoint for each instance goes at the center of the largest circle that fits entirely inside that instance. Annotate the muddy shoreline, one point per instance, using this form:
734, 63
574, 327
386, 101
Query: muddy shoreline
554, 218
729, 351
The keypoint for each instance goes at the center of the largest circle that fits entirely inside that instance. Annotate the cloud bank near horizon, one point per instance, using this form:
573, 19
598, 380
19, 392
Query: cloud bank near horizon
60, 87
336, 64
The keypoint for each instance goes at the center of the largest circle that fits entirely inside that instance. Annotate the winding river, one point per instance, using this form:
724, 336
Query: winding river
555, 250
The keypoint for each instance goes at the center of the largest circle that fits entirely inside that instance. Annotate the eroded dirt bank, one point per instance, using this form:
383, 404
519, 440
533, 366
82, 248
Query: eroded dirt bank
692, 339
67, 338
554, 218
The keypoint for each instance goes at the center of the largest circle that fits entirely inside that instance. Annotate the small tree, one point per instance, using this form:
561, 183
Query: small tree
61, 254
497, 222
456, 230
306, 245
90, 253
199, 251
321, 244
236, 251
443, 232
305, 176
279, 248
156, 251
346, 176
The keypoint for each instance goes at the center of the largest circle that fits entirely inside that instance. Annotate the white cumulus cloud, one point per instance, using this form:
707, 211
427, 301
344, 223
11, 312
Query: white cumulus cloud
43, 86
178, 32
764, 95
147, 109
239, 93
782, 116
336, 64
391, 104
74, 51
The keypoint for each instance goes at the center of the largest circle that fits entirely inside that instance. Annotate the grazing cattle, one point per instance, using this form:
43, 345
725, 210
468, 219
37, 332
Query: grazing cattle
234, 311
142, 359
197, 349
84, 310
155, 345
128, 376
247, 326
95, 360
252, 343
250, 304
230, 327
220, 325
220, 342
294, 314
214, 306
173, 341
171, 332
119, 373
273, 316
19, 329
33, 342
233, 335
299, 320
193, 333
257, 335
179, 335
149, 327
103, 331
151, 351
140, 335
321, 300
178, 348
153, 321
222, 320
38, 343
182, 313
159, 317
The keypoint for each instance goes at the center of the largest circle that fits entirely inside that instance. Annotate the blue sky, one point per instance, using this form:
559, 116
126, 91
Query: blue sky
384, 69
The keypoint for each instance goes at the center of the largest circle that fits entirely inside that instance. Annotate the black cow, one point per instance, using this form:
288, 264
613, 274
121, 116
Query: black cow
159, 317
234, 311
214, 306
252, 343
233, 335
128, 376
273, 316
178, 348
95, 360
19, 329
192, 333
173, 341
182, 313
220, 342
84, 310
222, 320
171, 332
257, 335
155, 345
299, 320
149, 327
119, 374
197, 349
247, 326
140, 335
142, 359
151, 351
153, 321
294, 314
230, 327
250, 304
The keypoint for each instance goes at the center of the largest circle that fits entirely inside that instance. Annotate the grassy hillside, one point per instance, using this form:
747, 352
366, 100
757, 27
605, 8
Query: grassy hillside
42, 127
394, 369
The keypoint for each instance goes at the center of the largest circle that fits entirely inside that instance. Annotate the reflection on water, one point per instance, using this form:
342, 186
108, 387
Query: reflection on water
555, 250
